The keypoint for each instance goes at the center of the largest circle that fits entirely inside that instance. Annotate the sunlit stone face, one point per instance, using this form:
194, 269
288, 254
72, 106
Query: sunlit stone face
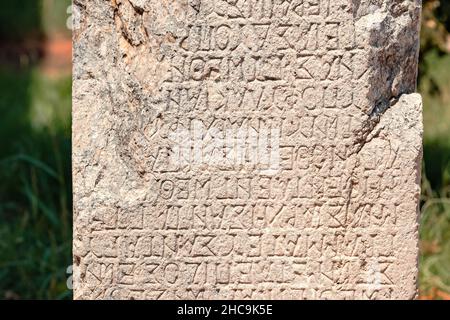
246, 149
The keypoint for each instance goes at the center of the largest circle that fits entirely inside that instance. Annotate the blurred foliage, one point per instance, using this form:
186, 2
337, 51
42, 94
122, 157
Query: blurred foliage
55, 15
35, 193
434, 85
31, 19
20, 19
35, 174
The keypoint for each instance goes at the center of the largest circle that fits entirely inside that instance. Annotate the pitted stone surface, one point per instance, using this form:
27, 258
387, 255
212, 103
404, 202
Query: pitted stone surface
246, 149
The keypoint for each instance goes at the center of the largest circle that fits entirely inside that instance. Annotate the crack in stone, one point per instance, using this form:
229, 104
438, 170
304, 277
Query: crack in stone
126, 27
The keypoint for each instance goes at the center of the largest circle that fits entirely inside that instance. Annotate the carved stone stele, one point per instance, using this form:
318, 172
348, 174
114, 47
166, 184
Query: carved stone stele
246, 149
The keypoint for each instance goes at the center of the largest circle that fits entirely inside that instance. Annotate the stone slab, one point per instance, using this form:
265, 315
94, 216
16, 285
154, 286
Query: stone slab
246, 149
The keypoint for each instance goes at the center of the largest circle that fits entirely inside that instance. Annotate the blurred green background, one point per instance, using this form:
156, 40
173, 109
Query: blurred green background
35, 170
35, 175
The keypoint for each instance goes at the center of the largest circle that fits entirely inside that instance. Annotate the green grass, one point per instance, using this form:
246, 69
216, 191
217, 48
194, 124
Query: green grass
35, 188
35, 154
435, 220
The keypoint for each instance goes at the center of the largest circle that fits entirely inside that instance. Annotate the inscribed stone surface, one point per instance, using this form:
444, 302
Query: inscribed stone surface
246, 149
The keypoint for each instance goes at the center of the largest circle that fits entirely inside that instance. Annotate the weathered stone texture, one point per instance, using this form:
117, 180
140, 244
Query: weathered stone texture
328, 205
